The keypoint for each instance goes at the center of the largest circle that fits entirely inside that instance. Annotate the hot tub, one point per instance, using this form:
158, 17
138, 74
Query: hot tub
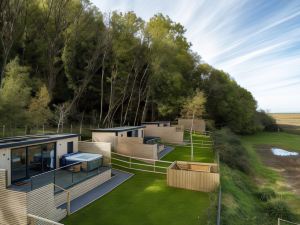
89, 161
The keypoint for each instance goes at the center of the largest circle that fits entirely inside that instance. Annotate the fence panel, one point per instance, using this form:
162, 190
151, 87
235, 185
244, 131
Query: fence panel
140, 164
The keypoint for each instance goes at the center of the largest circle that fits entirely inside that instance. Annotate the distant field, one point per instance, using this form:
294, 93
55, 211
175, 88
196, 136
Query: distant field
289, 122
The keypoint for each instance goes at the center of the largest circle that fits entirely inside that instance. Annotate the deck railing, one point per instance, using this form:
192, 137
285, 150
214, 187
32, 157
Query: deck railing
65, 176
68, 198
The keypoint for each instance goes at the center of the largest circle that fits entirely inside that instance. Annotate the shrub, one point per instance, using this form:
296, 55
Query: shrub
267, 122
266, 194
231, 151
279, 209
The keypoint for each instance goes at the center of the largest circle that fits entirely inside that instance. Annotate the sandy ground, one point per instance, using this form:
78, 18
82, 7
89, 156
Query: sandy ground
288, 166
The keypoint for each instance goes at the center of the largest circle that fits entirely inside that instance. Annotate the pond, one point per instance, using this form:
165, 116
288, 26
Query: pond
282, 152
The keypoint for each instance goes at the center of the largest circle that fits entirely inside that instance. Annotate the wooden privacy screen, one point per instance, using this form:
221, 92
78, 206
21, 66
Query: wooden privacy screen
193, 176
198, 125
13, 208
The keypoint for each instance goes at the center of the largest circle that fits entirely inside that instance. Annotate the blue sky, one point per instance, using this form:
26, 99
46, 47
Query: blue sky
256, 41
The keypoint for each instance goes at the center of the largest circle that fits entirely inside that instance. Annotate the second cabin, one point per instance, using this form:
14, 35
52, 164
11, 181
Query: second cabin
164, 130
129, 140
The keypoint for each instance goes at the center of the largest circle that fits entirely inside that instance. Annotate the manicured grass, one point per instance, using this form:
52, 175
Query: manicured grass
145, 199
202, 152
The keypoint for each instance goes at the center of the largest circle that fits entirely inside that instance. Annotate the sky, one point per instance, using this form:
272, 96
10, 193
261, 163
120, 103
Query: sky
256, 41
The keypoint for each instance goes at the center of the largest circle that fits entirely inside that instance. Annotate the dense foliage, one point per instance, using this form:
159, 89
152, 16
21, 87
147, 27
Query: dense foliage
231, 151
107, 69
247, 195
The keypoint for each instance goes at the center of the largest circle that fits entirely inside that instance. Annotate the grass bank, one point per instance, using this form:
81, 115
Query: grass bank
242, 201
266, 176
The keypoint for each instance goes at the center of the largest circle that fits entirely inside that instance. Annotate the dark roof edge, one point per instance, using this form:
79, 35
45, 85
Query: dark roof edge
156, 122
112, 130
37, 141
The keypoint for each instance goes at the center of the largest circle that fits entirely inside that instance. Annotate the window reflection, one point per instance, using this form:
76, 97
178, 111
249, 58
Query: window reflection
32, 160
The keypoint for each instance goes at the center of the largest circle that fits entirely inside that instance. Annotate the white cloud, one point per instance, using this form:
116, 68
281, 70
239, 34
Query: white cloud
257, 42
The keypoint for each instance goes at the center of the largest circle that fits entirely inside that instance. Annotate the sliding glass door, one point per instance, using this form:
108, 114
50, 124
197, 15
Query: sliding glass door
32, 160
18, 164
48, 153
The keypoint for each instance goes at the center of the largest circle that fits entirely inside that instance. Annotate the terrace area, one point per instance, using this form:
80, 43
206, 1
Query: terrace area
64, 177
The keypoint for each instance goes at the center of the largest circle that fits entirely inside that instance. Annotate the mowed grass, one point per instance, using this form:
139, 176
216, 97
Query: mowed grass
267, 176
203, 150
145, 199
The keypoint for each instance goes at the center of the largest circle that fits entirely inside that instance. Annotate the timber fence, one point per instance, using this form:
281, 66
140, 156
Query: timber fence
286, 222
140, 164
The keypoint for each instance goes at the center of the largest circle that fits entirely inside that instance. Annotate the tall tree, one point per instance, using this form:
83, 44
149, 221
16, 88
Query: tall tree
12, 23
39, 112
14, 93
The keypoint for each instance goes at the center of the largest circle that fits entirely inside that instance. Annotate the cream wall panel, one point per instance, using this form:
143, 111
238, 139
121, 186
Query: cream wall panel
62, 147
167, 134
199, 125
135, 147
105, 137
5, 162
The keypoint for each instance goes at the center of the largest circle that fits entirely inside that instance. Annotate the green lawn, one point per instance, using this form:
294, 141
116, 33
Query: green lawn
278, 139
202, 152
145, 199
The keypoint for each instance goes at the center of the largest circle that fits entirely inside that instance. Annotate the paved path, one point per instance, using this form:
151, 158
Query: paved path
164, 152
96, 193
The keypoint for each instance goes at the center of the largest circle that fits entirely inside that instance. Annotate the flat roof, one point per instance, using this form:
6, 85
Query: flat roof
117, 129
156, 122
16, 141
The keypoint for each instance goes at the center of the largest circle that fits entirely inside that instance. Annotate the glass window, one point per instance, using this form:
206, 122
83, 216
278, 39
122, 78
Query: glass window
48, 151
34, 159
129, 133
18, 164
70, 147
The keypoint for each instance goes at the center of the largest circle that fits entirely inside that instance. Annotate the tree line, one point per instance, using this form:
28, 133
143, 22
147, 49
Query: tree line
65, 60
